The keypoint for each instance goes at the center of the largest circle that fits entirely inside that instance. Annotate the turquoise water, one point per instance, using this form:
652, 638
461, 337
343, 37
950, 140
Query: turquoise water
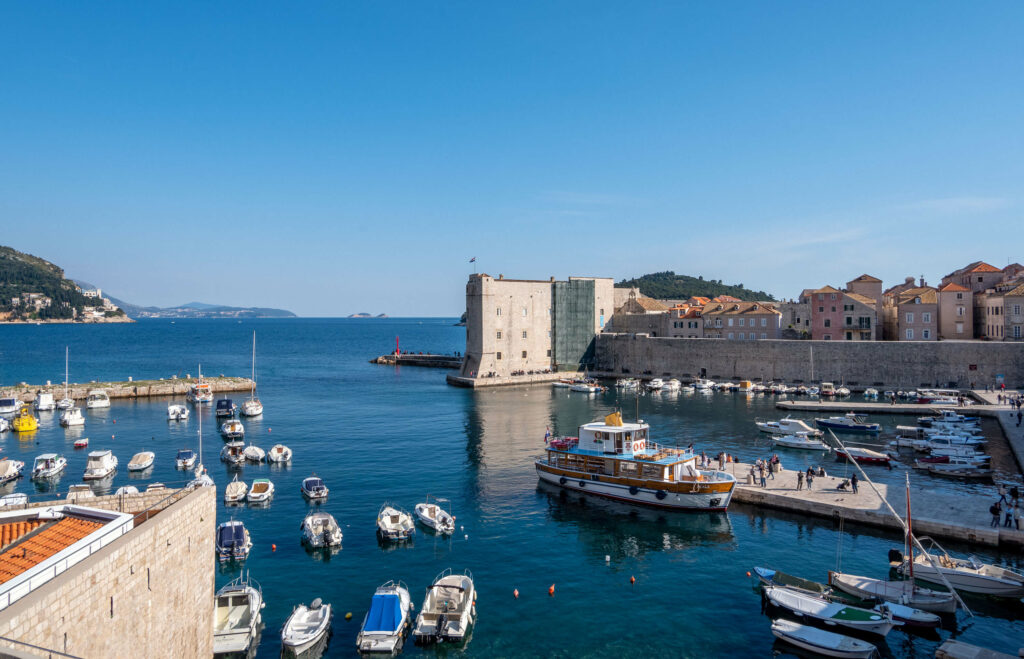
379, 434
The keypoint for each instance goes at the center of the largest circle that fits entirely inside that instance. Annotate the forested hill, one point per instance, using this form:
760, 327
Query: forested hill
24, 273
670, 286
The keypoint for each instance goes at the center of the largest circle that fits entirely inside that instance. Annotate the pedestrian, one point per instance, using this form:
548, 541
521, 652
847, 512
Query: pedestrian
1002, 493
771, 465
994, 510
1015, 494
821, 471
853, 482
1019, 416
1008, 521
764, 482
810, 477
799, 480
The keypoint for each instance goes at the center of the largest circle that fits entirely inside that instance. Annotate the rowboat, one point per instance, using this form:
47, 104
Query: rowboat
814, 607
823, 642
900, 592
306, 627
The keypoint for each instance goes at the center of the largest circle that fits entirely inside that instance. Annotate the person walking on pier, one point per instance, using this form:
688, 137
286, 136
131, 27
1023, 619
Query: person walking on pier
1016, 516
764, 482
1008, 521
810, 477
799, 480
994, 510
853, 482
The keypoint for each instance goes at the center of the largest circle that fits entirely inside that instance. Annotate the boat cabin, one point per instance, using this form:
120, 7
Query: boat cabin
828, 389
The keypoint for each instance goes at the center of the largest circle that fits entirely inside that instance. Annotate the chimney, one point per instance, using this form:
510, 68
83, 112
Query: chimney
501, 277
922, 281
552, 279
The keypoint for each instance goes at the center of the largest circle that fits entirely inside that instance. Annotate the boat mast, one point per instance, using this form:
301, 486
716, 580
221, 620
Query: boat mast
910, 534
65, 372
252, 394
199, 413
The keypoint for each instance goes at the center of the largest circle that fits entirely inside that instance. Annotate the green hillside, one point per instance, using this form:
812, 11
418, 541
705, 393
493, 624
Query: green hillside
24, 273
670, 286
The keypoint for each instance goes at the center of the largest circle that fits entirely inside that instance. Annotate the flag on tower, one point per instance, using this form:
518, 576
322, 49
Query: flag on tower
473, 260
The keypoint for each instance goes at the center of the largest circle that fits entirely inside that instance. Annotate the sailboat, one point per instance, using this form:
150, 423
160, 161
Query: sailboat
253, 406
67, 402
202, 478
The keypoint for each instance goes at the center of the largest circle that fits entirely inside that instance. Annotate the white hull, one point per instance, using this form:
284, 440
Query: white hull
252, 408
969, 582
822, 642
72, 417
704, 502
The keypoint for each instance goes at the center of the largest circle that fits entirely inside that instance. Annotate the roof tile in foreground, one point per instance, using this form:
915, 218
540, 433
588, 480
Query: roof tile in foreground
43, 544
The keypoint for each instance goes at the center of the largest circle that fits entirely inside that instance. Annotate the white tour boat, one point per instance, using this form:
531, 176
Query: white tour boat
822, 642
788, 426
141, 461
616, 460
969, 575
320, 530
254, 453
252, 406
448, 610
434, 517
279, 453
186, 458
232, 429
262, 491
394, 524
177, 412
236, 618
97, 399
99, 465
44, 402
313, 488
235, 491
306, 628
387, 623
48, 465
199, 392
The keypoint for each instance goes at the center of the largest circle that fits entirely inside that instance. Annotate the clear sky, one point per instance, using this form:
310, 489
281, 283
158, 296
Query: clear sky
339, 157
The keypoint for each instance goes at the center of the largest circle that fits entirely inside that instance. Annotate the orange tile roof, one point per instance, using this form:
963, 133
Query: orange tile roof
725, 298
827, 289
985, 267
951, 287
13, 530
43, 544
927, 294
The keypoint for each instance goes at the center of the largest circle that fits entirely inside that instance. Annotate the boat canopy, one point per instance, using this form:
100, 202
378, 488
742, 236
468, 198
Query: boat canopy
225, 404
185, 453
231, 535
385, 613
312, 483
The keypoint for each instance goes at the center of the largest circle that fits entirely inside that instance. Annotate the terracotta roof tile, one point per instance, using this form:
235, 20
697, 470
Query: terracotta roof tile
14, 530
984, 267
954, 288
650, 304
48, 540
927, 294
866, 277
827, 289
1017, 292
863, 299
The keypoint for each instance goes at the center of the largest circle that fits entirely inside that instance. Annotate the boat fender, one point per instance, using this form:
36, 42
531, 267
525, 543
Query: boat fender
661, 494
715, 502
633, 489
561, 481
583, 483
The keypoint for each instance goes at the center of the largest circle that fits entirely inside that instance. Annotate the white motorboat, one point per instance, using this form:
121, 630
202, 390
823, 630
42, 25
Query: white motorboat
842, 391
186, 458
313, 488
4, 425
279, 453
16, 499
97, 399
813, 607
800, 440
394, 524
901, 592
10, 470
870, 393
262, 491
48, 465
434, 517
232, 429
252, 406
44, 402
387, 622
72, 416
177, 412
657, 384
233, 453
126, 489
199, 392
448, 610
320, 529
586, 387
236, 618
233, 541
66, 402
788, 426
306, 628
254, 453
703, 384
9, 406
822, 642
627, 383
849, 422
235, 491
673, 385
141, 461
969, 575
99, 465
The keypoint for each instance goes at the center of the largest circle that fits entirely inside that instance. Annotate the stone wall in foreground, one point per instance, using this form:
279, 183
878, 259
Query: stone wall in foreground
147, 594
902, 364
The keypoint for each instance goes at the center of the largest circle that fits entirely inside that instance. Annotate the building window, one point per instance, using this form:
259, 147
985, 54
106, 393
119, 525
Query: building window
827, 337
910, 318
764, 323
742, 321
549, 353
917, 300
910, 335
959, 311
499, 311
742, 336
499, 355
1016, 331
524, 312
821, 297
849, 320
524, 334
979, 280
499, 335
833, 309
959, 328
833, 297
602, 312
828, 322
763, 335
926, 317
549, 334
1016, 310
959, 296
730, 322
524, 354
821, 309
731, 335
849, 336
926, 334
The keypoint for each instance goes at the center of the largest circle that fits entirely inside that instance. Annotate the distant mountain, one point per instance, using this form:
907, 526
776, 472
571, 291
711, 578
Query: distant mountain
195, 310
670, 286
42, 291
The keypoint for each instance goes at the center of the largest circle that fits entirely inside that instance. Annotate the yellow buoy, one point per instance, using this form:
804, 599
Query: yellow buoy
348, 616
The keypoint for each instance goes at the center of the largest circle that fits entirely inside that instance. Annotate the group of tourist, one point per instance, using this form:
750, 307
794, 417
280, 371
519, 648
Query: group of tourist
1016, 402
1007, 508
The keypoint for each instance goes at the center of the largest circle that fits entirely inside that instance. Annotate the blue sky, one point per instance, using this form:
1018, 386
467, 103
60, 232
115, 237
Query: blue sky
332, 158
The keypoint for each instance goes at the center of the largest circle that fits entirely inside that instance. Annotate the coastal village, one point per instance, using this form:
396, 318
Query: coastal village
27, 306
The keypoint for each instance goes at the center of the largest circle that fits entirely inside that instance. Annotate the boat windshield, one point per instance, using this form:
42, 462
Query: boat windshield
185, 454
385, 613
314, 483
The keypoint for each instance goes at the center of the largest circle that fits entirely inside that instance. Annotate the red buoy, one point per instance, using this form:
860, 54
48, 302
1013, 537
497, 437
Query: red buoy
551, 590
632, 580
515, 593
273, 547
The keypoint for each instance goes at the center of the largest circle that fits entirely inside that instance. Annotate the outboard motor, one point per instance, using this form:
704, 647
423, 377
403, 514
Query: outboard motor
442, 622
895, 556
316, 604
327, 537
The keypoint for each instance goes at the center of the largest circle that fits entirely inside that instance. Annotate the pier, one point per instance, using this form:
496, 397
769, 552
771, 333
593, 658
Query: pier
947, 516
127, 389
428, 360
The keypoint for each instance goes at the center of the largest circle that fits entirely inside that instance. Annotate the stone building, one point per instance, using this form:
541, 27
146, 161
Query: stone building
871, 288
913, 314
741, 321
956, 312
1003, 306
796, 318
527, 325
978, 277
826, 313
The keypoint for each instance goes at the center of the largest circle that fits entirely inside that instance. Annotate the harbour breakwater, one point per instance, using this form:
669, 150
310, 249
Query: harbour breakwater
902, 364
126, 389
428, 360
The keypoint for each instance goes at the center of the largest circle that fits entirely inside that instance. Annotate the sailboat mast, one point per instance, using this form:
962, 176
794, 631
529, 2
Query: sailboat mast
65, 372
910, 534
253, 392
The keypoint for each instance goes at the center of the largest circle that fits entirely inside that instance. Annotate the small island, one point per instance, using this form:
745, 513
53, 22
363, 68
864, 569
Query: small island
366, 315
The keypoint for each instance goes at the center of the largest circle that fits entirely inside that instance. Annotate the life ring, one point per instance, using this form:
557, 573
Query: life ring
562, 480
661, 494
633, 489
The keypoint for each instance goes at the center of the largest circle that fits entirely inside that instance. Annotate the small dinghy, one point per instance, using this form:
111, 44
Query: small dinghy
48, 465
306, 627
232, 453
186, 458
254, 453
434, 517
262, 491
141, 461
820, 641
901, 592
126, 489
813, 607
448, 610
394, 524
320, 530
235, 491
313, 488
82, 443
233, 542
176, 412
280, 453
387, 622
232, 429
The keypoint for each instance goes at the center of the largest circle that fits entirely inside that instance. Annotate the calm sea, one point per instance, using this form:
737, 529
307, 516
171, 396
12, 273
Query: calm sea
379, 434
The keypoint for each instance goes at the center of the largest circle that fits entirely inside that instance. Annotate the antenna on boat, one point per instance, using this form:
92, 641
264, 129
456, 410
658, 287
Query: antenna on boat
905, 525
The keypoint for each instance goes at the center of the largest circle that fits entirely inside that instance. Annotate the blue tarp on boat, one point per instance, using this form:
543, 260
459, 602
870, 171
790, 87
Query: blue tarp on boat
385, 613
231, 536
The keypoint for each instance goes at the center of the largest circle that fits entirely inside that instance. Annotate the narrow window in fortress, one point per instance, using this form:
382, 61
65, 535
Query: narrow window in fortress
499, 334
111, 606
148, 586
499, 311
524, 334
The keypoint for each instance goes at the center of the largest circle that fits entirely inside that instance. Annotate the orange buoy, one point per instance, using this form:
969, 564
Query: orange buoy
551, 590
273, 547
748, 573
115, 420
515, 593
269, 429
632, 580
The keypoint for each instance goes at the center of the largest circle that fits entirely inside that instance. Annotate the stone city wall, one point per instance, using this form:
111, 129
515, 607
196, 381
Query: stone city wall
902, 364
147, 594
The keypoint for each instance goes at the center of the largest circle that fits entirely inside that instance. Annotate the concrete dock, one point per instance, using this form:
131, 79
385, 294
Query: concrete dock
508, 380
428, 360
947, 516
127, 389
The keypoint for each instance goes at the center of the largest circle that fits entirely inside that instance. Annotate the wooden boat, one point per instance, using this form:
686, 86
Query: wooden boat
434, 517
48, 465
235, 491
964, 574
306, 628
141, 461
313, 488
899, 592
862, 455
814, 607
262, 491
387, 622
394, 524
448, 610
237, 618
615, 460
320, 529
25, 421
822, 642
279, 453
